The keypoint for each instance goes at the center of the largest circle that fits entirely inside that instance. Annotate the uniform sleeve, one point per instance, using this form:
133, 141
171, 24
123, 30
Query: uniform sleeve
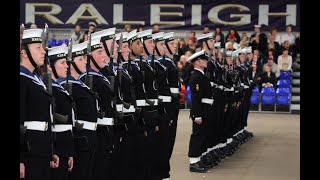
23, 113
196, 95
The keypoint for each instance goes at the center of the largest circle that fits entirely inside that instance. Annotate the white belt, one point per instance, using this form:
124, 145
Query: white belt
165, 98
212, 83
106, 121
130, 110
88, 125
36, 125
119, 107
251, 80
220, 87
142, 102
174, 90
246, 87
207, 101
61, 127
229, 89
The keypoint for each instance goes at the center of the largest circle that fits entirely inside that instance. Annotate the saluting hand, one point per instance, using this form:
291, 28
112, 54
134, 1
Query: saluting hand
198, 120
70, 163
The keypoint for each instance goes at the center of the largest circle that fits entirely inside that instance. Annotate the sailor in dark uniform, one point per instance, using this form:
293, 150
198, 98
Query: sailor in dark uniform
174, 83
165, 97
200, 112
157, 147
35, 110
138, 129
206, 43
126, 166
63, 145
86, 104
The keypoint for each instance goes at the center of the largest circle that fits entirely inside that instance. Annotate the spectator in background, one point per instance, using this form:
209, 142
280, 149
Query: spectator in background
217, 31
268, 78
244, 37
206, 30
291, 50
285, 61
288, 36
217, 38
256, 62
182, 47
33, 26
233, 36
191, 45
193, 36
127, 28
85, 37
140, 28
277, 47
273, 32
76, 35
92, 27
256, 75
183, 60
155, 28
243, 44
180, 70
271, 54
262, 37
229, 46
274, 67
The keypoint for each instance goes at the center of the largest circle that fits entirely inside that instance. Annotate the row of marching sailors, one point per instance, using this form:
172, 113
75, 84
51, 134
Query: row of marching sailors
220, 92
121, 116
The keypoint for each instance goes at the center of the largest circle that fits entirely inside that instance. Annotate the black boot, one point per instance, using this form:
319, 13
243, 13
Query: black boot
198, 167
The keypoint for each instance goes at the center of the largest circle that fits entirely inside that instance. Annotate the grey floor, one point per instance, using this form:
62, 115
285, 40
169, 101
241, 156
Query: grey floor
273, 153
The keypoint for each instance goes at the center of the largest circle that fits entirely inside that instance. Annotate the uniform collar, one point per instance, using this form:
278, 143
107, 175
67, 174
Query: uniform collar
199, 70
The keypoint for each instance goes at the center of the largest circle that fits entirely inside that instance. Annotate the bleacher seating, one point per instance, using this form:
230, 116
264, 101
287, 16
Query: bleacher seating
283, 96
255, 98
267, 95
283, 83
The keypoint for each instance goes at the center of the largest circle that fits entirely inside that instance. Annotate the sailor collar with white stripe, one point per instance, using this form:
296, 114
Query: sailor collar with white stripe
138, 59
132, 63
35, 78
168, 59
72, 80
61, 88
95, 73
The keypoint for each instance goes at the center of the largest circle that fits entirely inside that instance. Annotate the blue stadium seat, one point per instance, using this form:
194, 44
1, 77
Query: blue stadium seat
189, 94
255, 97
283, 83
268, 95
285, 75
283, 96
52, 42
66, 41
60, 42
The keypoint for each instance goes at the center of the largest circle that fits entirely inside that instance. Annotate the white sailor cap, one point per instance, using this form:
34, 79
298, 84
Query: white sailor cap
124, 37
217, 44
236, 53
198, 55
204, 37
146, 34
257, 26
104, 34
158, 36
32, 36
57, 52
79, 49
249, 49
132, 36
95, 43
168, 36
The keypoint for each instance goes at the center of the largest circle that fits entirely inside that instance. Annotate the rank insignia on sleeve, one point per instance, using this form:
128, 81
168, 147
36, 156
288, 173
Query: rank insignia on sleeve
197, 87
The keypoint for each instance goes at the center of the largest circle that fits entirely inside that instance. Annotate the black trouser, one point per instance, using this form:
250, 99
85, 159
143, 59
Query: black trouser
246, 106
163, 144
211, 127
197, 144
37, 168
118, 158
218, 109
172, 109
61, 173
153, 140
102, 162
84, 155
229, 118
134, 149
